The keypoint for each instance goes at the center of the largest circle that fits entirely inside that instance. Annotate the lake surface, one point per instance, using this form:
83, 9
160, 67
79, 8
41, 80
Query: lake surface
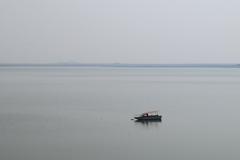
85, 113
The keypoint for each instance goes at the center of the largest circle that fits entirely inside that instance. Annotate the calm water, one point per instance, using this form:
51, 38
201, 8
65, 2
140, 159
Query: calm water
85, 113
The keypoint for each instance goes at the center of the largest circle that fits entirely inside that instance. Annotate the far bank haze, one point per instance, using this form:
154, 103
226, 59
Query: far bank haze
118, 65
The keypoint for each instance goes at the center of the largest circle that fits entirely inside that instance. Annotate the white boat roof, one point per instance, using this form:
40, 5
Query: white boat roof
151, 112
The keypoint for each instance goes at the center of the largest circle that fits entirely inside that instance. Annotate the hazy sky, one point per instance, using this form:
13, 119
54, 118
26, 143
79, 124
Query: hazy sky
127, 31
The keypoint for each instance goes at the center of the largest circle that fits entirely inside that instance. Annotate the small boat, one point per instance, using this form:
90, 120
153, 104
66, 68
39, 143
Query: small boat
149, 116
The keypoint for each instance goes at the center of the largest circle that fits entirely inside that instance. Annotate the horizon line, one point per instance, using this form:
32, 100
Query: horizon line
136, 65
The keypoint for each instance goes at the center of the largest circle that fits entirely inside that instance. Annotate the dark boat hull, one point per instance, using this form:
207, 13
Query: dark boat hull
149, 118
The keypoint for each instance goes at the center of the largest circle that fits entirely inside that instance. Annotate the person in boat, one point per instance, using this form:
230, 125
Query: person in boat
146, 115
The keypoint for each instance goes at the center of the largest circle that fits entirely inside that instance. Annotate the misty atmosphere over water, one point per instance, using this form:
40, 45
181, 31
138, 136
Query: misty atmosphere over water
85, 113
75, 73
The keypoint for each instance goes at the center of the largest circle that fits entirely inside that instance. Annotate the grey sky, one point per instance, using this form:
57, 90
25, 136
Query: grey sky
127, 31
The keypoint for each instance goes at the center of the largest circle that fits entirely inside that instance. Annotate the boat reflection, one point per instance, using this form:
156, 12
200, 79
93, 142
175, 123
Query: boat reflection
148, 122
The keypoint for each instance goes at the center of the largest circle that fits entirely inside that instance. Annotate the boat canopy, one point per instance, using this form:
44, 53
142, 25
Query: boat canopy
150, 113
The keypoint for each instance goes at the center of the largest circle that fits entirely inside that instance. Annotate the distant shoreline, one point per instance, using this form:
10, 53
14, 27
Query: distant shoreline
121, 65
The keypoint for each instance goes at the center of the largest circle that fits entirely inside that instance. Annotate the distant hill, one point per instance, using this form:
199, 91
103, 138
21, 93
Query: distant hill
120, 65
